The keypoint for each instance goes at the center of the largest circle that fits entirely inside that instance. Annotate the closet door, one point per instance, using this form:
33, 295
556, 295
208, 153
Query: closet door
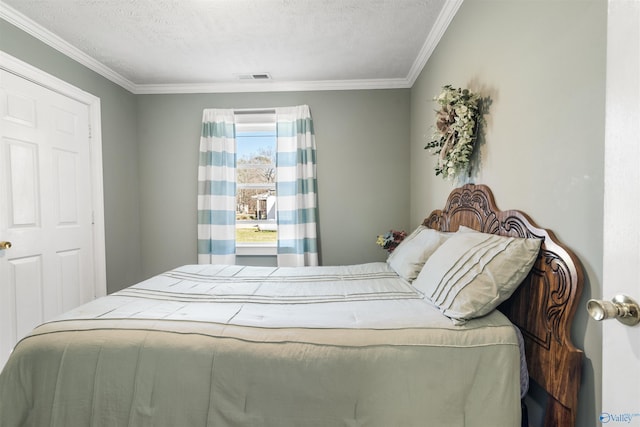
46, 258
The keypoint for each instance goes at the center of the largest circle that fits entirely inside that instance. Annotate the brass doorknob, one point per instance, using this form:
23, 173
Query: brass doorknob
5, 245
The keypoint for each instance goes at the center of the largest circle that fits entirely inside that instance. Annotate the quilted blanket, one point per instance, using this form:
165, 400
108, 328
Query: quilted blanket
252, 346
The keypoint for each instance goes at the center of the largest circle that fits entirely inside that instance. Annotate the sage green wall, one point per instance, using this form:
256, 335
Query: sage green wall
119, 149
542, 63
362, 152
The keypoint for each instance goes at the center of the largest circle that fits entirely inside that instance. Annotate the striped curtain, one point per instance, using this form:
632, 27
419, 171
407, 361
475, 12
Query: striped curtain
296, 187
217, 188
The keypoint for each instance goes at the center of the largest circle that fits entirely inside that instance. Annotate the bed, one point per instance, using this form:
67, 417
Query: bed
377, 344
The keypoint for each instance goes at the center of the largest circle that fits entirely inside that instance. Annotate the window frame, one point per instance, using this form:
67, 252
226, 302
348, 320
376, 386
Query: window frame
246, 122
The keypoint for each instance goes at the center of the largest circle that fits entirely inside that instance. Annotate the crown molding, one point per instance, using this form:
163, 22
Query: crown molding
30, 27
19, 20
272, 86
445, 17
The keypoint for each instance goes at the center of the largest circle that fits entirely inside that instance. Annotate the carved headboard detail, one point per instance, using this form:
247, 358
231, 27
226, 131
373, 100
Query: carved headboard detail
542, 307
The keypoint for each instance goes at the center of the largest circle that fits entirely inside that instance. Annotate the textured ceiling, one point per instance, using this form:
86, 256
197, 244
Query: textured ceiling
182, 43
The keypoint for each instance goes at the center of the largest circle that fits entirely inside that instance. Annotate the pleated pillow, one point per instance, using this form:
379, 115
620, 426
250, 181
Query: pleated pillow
471, 273
411, 254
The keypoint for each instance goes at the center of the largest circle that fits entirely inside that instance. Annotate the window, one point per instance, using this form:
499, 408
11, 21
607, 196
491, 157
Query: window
293, 223
256, 225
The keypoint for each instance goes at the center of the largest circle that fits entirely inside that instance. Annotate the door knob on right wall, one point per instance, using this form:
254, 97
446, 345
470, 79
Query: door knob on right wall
621, 307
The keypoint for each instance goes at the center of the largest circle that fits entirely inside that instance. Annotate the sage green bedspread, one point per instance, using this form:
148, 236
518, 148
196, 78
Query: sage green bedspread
233, 346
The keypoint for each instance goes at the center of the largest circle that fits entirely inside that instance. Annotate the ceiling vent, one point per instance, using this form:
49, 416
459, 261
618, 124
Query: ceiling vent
255, 76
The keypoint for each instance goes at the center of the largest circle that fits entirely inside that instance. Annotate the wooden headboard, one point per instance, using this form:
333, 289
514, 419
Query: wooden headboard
544, 304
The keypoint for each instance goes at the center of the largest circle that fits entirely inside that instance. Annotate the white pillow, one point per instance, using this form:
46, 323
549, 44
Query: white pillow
405, 241
471, 273
410, 255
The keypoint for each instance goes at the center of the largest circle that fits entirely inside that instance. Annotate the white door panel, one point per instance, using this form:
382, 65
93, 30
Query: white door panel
621, 265
27, 289
45, 207
22, 183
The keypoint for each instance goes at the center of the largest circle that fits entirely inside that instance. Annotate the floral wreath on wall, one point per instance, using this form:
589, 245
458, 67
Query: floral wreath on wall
456, 129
